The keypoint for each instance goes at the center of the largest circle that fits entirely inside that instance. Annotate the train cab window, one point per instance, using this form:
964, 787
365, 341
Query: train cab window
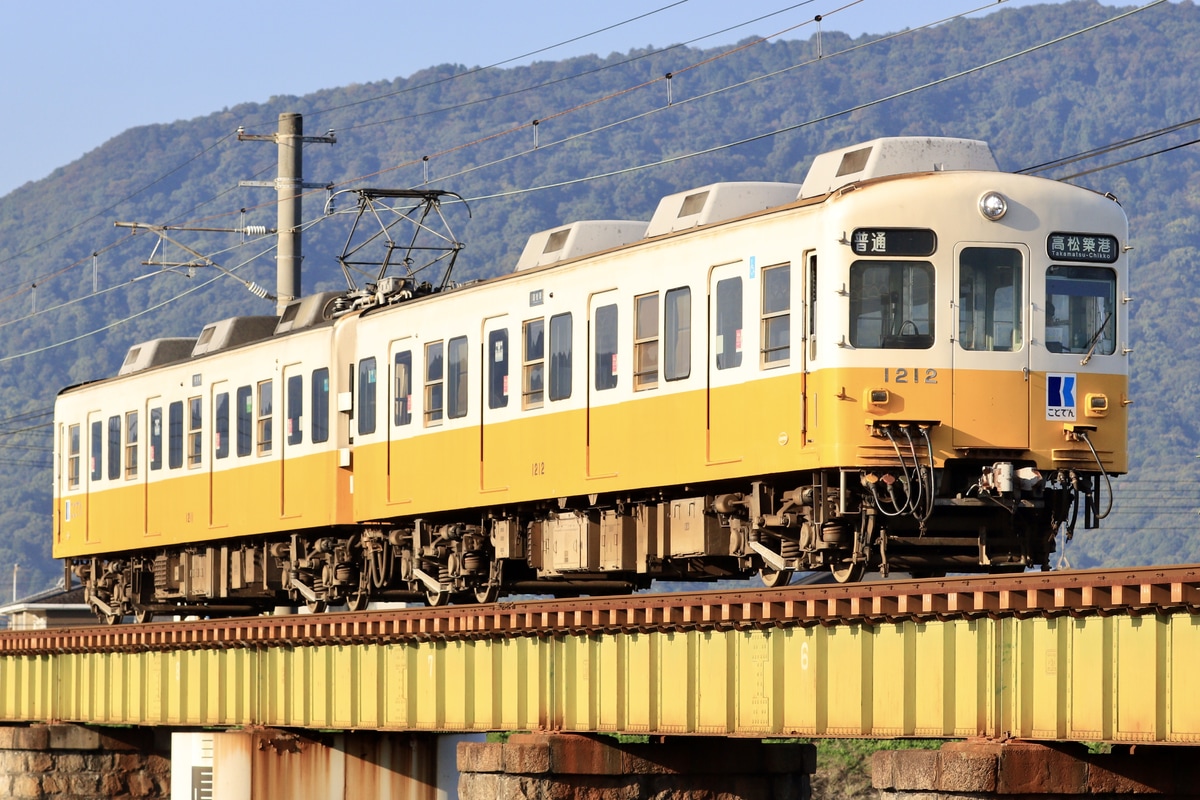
776, 316
221, 425
560, 357
729, 323
114, 448
131, 444
366, 396
677, 354
457, 361
320, 405
73, 456
990, 299
1080, 310
891, 305
645, 342
498, 369
533, 363
433, 383
295, 409
606, 347
266, 410
156, 439
175, 435
195, 426
245, 421
97, 442
402, 414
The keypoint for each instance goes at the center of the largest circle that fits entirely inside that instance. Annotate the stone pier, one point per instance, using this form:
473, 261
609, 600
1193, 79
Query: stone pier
56, 761
570, 767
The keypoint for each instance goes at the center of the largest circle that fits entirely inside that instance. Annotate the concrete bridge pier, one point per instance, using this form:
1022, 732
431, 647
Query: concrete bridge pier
977, 770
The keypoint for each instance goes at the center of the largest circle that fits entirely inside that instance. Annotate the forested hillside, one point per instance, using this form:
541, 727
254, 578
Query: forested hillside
742, 111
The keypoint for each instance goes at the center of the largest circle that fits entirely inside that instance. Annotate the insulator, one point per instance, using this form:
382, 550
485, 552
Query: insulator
257, 290
255, 230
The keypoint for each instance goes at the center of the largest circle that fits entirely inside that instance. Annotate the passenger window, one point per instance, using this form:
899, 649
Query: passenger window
366, 396
498, 369
403, 411
221, 425
114, 448
645, 342
534, 361
73, 456
891, 304
131, 444
560, 357
777, 316
989, 295
729, 323
458, 360
320, 405
1080, 310
606, 347
97, 450
265, 411
677, 358
295, 409
175, 435
195, 422
245, 421
433, 383
812, 306
156, 438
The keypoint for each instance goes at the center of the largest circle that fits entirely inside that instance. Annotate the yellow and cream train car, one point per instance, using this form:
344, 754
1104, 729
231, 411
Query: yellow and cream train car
911, 361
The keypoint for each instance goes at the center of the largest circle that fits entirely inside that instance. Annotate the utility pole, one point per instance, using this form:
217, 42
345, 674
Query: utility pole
289, 185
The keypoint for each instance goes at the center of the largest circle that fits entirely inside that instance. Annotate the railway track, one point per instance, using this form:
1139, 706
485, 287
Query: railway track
1135, 591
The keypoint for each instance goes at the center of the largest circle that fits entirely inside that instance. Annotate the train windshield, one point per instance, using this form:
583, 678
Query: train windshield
891, 304
1081, 310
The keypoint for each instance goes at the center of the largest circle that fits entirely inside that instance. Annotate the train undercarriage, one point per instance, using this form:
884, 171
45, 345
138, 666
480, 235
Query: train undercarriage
848, 522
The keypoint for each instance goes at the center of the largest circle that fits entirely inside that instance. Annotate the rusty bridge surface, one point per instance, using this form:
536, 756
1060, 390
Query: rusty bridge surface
1098, 655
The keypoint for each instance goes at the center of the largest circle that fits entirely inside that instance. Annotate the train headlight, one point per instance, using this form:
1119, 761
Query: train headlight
993, 206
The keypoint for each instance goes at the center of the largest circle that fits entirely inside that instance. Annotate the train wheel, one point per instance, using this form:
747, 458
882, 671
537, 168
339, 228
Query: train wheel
438, 598
315, 606
487, 594
851, 572
358, 601
142, 615
775, 577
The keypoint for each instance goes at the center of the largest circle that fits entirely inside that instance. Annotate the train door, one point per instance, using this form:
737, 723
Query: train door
606, 435
220, 480
728, 294
495, 371
291, 478
400, 418
158, 505
93, 474
991, 346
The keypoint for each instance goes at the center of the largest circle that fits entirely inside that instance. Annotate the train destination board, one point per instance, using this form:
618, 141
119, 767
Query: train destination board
894, 241
1097, 247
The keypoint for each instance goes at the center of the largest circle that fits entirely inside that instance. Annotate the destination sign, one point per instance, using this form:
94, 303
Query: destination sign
1097, 247
893, 242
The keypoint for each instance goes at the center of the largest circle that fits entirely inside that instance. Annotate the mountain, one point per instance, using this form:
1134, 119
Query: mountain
760, 112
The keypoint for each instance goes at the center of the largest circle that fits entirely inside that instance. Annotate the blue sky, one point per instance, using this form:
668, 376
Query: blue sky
77, 73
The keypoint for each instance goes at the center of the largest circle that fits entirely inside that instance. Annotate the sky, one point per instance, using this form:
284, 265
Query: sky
77, 73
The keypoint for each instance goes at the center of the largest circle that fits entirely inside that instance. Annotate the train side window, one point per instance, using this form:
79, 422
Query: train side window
221, 425
458, 361
320, 405
606, 347
195, 426
645, 342
97, 450
73, 456
245, 421
131, 444
266, 411
156, 438
366, 396
533, 363
990, 305
560, 357
433, 383
295, 409
498, 369
114, 448
891, 304
677, 353
777, 316
175, 435
812, 306
403, 378
1080, 309
729, 323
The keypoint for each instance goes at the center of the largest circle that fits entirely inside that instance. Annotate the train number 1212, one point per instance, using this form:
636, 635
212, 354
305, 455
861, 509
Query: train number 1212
905, 375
